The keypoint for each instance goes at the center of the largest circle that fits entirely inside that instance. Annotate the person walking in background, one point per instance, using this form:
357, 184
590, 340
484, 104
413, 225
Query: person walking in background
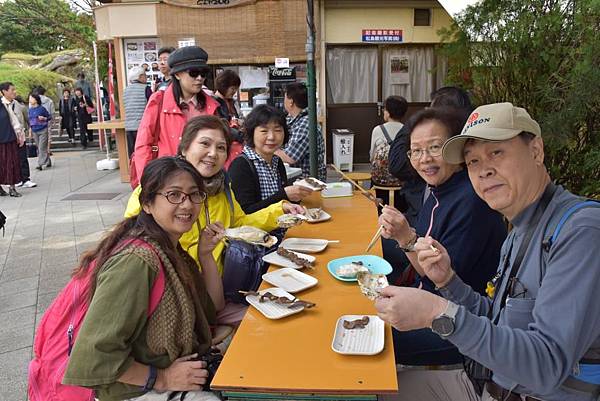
296, 152
38, 127
135, 104
11, 136
48, 104
82, 102
66, 108
21, 111
84, 84
163, 67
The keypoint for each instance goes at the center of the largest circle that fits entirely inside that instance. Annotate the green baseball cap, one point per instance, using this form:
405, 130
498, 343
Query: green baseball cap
490, 122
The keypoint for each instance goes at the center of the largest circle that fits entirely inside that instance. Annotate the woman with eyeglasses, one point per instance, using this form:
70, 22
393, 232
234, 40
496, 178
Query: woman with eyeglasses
205, 144
168, 111
123, 351
455, 216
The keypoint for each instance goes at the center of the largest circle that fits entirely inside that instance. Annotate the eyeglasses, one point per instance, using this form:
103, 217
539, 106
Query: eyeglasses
194, 73
433, 150
178, 197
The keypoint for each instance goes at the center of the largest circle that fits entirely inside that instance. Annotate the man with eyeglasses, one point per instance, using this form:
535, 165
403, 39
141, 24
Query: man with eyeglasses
538, 328
163, 67
168, 110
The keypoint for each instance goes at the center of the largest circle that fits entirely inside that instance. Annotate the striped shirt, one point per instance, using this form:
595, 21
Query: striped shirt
135, 104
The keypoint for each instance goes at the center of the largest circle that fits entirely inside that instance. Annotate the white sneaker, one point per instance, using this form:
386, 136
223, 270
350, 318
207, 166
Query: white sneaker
29, 184
20, 184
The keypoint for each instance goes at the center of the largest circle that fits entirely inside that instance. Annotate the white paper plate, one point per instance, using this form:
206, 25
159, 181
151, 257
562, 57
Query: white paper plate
324, 216
290, 280
272, 310
275, 259
367, 341
309, 245
305, 184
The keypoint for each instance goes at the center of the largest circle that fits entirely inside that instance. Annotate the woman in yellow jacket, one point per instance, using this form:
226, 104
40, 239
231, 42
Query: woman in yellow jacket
205, 143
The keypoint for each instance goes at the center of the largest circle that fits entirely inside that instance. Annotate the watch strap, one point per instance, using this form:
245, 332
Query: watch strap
151, 380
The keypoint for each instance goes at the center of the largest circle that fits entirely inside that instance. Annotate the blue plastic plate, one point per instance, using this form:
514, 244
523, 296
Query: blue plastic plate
375, 264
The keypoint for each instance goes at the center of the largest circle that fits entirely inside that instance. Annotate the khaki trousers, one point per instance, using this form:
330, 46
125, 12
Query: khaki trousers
434, 385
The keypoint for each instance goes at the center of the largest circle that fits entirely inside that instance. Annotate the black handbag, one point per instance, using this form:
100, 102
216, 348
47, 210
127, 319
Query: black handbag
32, 150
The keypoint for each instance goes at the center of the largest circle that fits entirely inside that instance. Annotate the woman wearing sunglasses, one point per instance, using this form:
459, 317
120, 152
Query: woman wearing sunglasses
168, 111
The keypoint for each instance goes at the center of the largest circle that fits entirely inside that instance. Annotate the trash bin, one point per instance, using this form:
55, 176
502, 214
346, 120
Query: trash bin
343, 148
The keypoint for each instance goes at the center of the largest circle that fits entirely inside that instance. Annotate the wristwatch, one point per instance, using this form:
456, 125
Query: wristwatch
443, 325
410, 247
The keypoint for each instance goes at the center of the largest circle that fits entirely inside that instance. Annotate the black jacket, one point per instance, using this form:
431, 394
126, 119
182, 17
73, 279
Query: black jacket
246, 187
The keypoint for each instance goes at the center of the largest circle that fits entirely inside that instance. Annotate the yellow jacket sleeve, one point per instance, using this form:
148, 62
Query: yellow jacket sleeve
133, 204
265, 219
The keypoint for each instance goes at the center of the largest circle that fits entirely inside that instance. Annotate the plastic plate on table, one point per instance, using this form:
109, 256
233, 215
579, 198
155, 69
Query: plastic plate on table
323, 216
305, 184
270, 309
290, 280
278, 260
310, 245
375, 264
359, 341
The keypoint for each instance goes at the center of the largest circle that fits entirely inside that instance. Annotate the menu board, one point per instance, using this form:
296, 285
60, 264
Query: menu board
143, 52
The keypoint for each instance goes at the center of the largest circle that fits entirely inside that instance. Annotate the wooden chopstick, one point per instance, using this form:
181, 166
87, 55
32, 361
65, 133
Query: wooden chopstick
366, 193
375, 239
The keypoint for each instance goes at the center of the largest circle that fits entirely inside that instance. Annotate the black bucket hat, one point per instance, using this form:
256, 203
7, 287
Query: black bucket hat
186, 58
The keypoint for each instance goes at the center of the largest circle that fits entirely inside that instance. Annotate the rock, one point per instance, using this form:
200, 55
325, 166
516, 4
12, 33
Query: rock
65, 59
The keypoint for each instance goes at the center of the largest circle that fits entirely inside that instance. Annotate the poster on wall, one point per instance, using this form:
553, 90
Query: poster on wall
142, 52
399, 70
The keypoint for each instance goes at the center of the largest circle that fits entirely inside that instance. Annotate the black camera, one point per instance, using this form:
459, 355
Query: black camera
213, 360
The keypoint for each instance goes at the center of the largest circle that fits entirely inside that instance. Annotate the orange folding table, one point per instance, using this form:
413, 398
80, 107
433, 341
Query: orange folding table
292, 358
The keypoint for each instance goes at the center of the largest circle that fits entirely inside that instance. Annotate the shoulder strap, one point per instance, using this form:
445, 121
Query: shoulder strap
155, 134
558, 224
229, 198
514, 269
386, 134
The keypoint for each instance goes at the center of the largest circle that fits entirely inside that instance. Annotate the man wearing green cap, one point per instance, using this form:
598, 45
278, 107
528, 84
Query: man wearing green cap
538, 331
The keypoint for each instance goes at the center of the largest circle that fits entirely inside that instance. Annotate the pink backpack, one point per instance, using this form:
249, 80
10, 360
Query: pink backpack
56, 336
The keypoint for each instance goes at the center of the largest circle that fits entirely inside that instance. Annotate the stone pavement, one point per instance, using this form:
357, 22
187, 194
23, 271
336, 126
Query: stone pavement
45, 235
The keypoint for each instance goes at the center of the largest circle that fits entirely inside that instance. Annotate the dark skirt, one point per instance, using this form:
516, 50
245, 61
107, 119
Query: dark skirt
10, 171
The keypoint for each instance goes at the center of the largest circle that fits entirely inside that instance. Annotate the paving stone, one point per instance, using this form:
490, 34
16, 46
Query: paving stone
20, 300
19, 285
11, 272
13, 375
16, 330
54, 284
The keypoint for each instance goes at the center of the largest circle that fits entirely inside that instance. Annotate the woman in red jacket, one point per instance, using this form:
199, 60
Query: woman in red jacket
168, 111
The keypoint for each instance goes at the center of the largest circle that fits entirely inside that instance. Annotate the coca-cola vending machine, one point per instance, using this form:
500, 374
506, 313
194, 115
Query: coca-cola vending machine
278, 79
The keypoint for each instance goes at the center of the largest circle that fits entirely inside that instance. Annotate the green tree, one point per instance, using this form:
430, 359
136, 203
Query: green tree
43, 26
543, 55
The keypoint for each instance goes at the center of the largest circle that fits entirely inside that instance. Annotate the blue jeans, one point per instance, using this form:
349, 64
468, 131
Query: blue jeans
423, 347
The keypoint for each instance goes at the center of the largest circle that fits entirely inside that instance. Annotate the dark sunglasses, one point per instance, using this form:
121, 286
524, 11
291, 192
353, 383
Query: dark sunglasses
195, 72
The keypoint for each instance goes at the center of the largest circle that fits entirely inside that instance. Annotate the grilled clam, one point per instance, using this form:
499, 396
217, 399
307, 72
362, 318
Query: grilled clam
252, 235
290, 220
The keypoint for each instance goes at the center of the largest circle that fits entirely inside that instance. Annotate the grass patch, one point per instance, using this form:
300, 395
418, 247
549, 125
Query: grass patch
25, 79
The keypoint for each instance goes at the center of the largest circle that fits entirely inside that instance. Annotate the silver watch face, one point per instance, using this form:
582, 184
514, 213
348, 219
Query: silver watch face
443, 325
